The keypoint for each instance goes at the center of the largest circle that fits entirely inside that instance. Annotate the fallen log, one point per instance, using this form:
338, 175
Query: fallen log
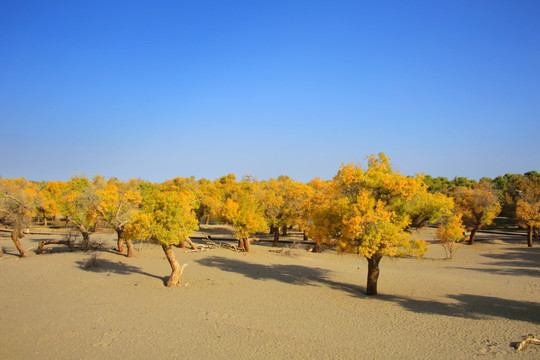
41, 244
529, 340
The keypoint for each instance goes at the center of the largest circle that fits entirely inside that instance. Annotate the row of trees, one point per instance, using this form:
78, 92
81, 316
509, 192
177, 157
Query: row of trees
368, 211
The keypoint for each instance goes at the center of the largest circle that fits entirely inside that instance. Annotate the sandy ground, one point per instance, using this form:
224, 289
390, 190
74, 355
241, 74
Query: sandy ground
268, 305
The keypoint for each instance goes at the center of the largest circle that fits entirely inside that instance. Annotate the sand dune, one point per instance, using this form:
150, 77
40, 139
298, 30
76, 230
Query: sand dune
267, 305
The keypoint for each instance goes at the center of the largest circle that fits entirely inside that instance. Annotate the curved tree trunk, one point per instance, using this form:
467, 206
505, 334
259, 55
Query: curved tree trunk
276, 238
85, 245
130, 252
473, 234
15, 237
176, 268
373, 274
530, 231
120, 240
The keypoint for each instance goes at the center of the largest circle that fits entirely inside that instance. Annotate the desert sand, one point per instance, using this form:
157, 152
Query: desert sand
269, 305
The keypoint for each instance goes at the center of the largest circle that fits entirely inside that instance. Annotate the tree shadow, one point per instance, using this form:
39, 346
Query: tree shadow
509, 238
102, 265
290, 274
472, 307
522, 261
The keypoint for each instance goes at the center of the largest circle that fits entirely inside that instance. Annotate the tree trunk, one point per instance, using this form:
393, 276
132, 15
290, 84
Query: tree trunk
188, 240
530, 231
207, 221
473, 234
85, 245
284, 230
96, 226
130, 252
243, 244
45, 221
181, 244
316, 247
272, 229
120, 240
176, 268
15, 238
276, 239
1, 253
373, 274
305, 236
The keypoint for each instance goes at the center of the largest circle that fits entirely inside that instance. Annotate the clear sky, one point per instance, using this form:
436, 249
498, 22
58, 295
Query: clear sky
160, 89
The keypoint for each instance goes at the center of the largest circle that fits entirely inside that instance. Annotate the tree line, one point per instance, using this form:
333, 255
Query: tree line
369, 211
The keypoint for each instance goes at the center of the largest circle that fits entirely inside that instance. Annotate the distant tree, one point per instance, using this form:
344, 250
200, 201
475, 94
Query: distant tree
508, 193
460, 181
244, 211
438, 184
210, 200
371, 225
425, 208
451, 232
528, 205
478, 205
165, 217
321, 216
272, 197
47, 206
77, 201
118, 204
18, 199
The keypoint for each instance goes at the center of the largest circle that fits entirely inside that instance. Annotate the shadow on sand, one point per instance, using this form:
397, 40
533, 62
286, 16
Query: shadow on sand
461, 305
95, 264
472, 307
290, 274
514, 262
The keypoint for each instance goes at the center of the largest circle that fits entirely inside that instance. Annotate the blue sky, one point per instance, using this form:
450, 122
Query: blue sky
160, 89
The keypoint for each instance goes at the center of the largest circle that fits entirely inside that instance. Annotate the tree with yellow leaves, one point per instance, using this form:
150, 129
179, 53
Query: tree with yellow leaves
478, 204
77, 201
18, 200
243, 210
528, 205
166, 217
451, 232
372, 220
210, 199
118, 203
321, 219
47, 206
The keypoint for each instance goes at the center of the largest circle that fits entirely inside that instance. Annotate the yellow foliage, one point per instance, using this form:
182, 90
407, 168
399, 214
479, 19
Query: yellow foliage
478, 204
374, 217
166, 217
